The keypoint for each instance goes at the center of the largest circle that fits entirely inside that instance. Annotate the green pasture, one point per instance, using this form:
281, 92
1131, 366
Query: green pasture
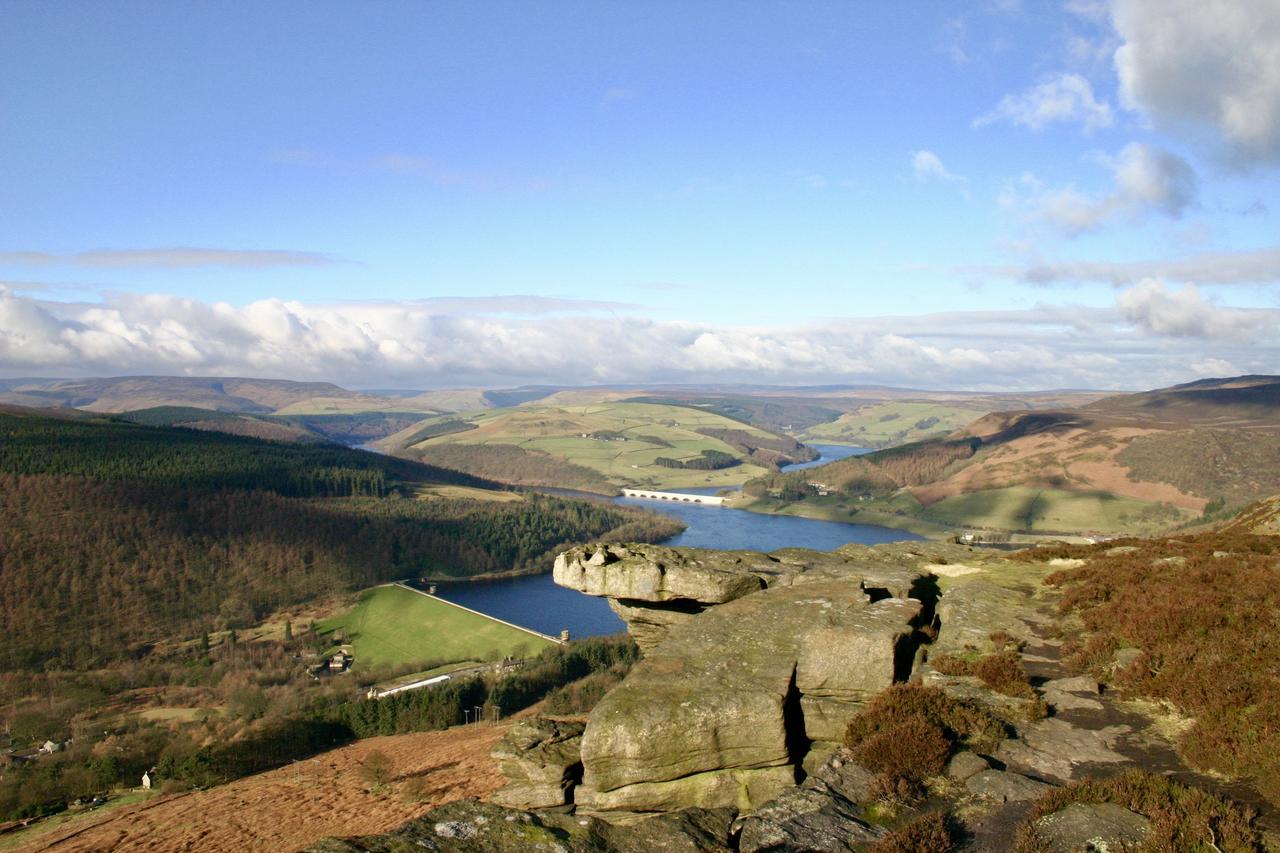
647, 430
391, 625
894, 423
1053, 510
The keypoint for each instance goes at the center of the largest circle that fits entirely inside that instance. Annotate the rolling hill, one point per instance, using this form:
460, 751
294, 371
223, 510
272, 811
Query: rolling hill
599, 447
124, 393
1135, 463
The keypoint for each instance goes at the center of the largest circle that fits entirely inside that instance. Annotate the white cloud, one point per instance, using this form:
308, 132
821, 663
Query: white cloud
1147, 180
181, 257
1152, 336
1212, 64
1250, 266
1185, 313
1060, 98
928, 166
1216, 367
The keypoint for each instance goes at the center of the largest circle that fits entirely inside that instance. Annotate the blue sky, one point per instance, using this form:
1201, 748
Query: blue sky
426, 194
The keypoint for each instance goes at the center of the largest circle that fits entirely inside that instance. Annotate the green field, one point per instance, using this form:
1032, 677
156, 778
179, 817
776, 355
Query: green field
893, 423
393, 626
619, 441
1053, 510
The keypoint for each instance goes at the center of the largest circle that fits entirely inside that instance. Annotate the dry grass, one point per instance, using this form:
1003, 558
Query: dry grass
295, 806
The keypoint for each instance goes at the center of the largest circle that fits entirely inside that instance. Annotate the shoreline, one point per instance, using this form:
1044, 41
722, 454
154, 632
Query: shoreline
920, 527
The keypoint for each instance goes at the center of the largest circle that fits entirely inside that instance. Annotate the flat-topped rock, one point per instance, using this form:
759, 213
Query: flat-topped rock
1092, 826
971, 611
653, 573
717, 709
655, 588
1005, 787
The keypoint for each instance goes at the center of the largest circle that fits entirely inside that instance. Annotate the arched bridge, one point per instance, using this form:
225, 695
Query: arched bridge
674, 497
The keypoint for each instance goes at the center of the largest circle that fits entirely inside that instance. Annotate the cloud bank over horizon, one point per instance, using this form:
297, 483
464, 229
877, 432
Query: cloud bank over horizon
1153, 335
973, 196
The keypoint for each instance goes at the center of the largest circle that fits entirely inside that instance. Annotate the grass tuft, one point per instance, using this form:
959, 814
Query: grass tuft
930, 833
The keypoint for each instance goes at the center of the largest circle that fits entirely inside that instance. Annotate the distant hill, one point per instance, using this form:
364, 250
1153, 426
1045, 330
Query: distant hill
119, 394
865, 416
350, 428
305, 411
860, 416
600, 446
1129, 463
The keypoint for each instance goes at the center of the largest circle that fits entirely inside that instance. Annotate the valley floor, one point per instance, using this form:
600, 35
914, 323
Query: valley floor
294, 806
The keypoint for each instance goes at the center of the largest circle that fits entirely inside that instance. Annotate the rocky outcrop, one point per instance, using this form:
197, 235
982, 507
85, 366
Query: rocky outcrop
1091, 826
754, 663
806, 819
1005, 787
469, 825
655, 588
724, 710
824, 813
1079, 693
542, 762
1014, 710
965, 764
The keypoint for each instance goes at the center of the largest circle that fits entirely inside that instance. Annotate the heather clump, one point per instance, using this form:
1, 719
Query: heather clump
1002, 671
1182, 817
909, 731
929, 833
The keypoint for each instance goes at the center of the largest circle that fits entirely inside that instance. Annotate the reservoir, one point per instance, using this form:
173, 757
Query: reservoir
536, 602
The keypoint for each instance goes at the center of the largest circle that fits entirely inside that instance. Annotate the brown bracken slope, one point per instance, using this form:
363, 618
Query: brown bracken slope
295, 806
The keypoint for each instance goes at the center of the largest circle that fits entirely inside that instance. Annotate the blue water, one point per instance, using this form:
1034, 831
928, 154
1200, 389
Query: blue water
536, 602
828, 453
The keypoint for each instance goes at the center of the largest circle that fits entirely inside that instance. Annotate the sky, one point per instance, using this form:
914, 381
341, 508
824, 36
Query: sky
996, 195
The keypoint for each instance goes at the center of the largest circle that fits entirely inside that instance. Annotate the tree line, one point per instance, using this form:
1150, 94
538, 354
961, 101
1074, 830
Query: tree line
135, 562
112, 449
